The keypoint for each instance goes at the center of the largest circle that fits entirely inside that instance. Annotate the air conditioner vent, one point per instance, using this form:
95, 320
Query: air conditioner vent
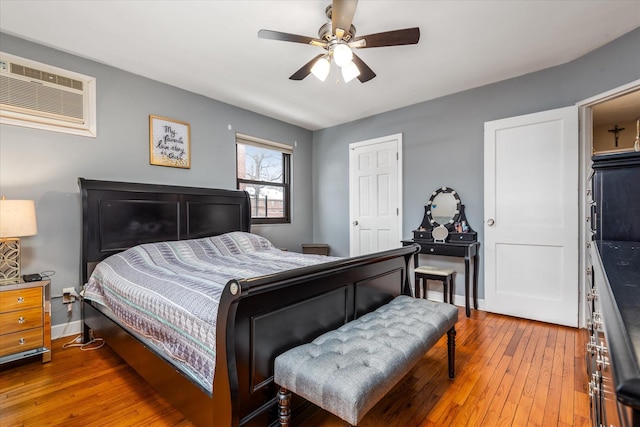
45, 97
45, 76
41, 100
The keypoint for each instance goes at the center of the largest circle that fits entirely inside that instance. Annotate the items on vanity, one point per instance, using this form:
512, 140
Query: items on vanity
444, 219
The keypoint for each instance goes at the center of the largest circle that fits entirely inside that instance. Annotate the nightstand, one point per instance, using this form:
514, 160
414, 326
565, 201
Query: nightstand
25, 320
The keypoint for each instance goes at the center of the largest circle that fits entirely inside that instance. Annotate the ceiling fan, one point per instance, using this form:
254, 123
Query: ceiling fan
338, 38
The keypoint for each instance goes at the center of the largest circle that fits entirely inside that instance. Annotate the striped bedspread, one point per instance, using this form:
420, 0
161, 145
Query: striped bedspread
169, 292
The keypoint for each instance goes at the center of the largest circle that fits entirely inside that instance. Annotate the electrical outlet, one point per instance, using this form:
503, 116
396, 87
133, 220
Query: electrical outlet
69, 295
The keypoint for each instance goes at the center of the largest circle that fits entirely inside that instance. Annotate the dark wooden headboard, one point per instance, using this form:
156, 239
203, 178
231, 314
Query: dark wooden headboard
120, 215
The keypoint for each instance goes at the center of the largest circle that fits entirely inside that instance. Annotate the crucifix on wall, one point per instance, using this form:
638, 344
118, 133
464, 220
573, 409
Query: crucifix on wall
616, 131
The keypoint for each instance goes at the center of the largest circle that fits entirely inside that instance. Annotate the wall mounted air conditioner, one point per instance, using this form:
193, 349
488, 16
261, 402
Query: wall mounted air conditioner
40, 96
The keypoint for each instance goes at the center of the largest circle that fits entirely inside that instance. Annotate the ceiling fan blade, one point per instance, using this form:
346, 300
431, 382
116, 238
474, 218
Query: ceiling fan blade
286, 37
366, 73
305, 70
388, 38
342, 13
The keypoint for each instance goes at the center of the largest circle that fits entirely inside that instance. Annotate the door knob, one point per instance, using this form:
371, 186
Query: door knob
490, 222
355, 222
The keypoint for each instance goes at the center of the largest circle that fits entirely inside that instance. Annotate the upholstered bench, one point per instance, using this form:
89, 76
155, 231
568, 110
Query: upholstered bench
348, 370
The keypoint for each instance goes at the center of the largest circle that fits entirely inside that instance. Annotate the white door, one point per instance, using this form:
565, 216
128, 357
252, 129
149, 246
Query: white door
375, 192
531, 216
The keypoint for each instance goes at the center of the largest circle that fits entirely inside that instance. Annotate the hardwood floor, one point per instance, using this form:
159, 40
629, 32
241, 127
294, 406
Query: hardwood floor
509, 372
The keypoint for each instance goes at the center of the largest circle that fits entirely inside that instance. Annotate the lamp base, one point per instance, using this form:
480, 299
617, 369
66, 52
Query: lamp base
9, 260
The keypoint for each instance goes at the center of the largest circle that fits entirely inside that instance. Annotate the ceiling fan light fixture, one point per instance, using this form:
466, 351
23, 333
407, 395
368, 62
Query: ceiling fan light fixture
337, 36
342, 54
321, 68
350, 72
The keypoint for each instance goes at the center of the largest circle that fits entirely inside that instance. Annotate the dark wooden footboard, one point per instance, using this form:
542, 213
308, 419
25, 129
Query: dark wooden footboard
272, 314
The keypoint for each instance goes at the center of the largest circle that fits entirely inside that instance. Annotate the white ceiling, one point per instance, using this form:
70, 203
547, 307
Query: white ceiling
212, 48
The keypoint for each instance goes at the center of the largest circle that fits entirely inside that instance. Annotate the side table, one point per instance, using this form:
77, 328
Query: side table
25, 320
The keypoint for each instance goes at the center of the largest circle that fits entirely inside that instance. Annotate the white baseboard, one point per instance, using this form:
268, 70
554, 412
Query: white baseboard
66, 329
457, 299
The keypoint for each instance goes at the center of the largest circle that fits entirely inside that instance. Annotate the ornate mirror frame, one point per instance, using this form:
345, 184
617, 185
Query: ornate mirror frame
429, 208
456, 229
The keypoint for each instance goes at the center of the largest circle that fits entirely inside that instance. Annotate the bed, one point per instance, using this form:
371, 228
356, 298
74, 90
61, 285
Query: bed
257, 317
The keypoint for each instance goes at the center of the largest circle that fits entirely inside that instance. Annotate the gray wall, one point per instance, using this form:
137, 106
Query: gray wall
443, 145
45, 166
443, 139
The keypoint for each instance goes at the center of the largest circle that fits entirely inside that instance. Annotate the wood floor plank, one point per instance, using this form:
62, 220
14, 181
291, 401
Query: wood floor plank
491, 373
554, 393
542, 388
513, 381
477, 354
509, 372
488, 412
568, 379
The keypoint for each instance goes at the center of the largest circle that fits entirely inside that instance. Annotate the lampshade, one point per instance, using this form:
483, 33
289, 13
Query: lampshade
350, 72
342, 54
321, 68
17, 218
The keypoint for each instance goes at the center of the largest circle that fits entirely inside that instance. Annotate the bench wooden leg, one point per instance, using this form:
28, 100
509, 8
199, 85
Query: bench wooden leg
284, 406
451, 345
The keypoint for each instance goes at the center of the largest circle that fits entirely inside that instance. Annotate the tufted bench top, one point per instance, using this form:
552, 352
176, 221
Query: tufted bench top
348, 370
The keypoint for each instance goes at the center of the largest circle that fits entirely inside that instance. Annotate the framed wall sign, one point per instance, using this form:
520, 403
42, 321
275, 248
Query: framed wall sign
169, 142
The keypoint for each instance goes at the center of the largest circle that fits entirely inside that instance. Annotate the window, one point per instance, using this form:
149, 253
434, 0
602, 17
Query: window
263, 169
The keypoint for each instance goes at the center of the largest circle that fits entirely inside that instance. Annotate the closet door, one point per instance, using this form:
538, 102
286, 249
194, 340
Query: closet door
531, 216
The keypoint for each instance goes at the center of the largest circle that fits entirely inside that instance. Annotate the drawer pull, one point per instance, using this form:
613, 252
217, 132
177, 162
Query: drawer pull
597, 319
21, 320
20, 300
21, 341
593, 387
602, 361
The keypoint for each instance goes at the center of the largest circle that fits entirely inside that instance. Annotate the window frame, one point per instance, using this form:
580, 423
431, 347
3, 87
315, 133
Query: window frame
286, 152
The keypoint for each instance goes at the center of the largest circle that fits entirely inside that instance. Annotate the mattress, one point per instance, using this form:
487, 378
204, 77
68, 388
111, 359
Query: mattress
167, 293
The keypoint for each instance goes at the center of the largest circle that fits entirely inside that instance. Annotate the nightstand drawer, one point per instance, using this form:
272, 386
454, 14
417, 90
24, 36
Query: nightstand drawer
21, 341
20, 299
15, 321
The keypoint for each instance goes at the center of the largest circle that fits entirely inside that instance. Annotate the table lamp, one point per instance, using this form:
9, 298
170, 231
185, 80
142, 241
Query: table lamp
17, 219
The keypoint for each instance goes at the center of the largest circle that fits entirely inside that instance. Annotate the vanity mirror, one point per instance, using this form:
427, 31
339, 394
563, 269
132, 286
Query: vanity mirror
444, 219
444, 207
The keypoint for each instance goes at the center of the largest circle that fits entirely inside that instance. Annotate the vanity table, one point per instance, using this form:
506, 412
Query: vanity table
466, 250
445, 231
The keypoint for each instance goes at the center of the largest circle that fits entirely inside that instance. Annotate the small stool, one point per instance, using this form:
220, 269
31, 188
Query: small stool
444, 275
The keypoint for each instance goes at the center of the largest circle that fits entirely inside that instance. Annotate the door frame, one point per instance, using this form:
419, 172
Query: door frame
585, 120
352, 147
